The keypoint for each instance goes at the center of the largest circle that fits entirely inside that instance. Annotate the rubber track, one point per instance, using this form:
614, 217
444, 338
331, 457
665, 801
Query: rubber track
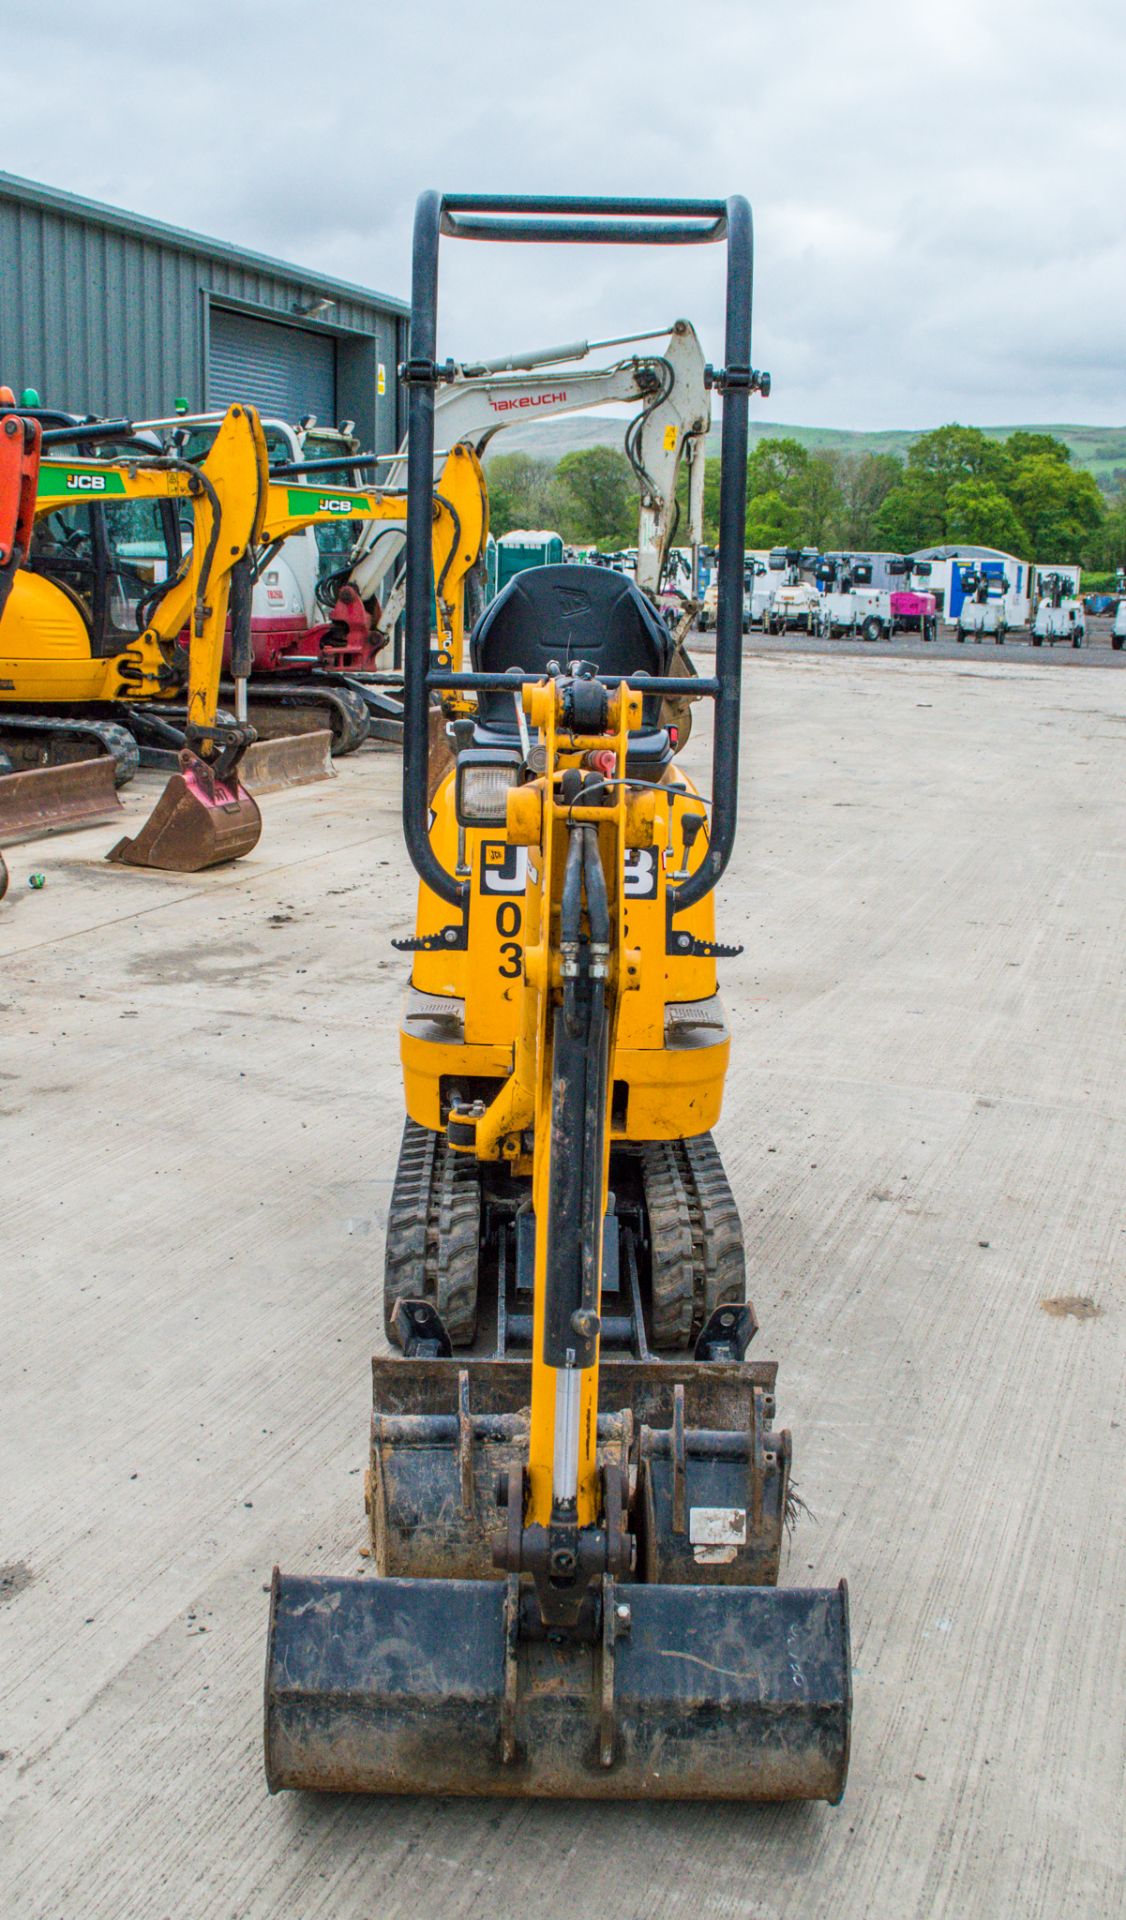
433, 1232
698, 1258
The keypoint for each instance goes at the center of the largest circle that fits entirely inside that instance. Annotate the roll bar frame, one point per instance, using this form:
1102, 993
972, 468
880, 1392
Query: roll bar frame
568, 220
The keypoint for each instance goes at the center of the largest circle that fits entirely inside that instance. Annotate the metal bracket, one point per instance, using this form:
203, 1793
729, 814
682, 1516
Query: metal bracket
426, 373
686, 946
451, 939
728, 1333
737, 379
419, 1330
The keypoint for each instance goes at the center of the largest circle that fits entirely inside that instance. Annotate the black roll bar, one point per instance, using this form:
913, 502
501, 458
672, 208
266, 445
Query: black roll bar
570, 220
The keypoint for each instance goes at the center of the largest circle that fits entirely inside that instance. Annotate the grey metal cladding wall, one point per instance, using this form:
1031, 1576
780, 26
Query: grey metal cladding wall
104, 320
96, 320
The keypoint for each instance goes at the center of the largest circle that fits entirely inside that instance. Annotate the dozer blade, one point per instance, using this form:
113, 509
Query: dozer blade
687, 1693
292, 760
199, 821
52, 799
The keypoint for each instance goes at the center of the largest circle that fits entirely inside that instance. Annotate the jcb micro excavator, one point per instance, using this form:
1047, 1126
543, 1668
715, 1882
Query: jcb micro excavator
65, 663
576, 1540
68, 659
102, 562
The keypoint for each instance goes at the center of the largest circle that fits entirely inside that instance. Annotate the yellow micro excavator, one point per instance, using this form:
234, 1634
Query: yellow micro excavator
67, 655
576, 1536
90, 647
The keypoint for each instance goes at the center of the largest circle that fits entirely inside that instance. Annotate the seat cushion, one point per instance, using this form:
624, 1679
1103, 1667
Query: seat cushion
568, 614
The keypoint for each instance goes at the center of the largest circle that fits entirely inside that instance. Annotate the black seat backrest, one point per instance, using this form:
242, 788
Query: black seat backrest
568, 613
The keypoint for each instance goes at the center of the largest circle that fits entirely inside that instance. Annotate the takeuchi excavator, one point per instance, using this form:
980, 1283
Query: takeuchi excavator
578, 1484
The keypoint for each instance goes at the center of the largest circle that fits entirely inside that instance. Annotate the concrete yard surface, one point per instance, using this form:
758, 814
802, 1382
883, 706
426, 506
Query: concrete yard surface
926, 1129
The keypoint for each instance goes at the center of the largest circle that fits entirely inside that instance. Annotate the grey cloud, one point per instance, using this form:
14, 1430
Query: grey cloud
937, 191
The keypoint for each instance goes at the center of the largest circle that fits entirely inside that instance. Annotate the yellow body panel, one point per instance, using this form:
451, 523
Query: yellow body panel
45, 647
673, 1093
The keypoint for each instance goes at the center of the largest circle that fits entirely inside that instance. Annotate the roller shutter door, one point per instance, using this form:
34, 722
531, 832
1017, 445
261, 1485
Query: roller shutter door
286, 372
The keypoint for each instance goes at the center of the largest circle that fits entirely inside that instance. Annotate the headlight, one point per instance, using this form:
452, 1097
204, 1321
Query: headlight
484, 780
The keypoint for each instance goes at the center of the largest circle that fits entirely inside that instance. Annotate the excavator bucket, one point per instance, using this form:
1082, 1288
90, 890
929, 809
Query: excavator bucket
199, 821
290, 760
77, 793
436, 1676
426, 1686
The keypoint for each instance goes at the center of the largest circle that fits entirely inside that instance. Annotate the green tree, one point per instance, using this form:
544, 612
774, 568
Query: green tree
778, 466
773, 522
793, 490
912, 514
1023, 446
596, 498
520, 492
1105, 548
979, 513
1061, 508
953, 453
864, 481
711, 499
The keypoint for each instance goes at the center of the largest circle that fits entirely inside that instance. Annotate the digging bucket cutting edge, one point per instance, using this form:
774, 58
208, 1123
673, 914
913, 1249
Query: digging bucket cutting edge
288, 760
76, 793
199, 821
428, 1686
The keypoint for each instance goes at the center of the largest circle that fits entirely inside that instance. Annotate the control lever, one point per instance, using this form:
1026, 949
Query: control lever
690, 825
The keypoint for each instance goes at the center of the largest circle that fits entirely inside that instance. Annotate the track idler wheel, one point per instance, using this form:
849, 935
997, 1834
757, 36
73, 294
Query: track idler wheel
200, 821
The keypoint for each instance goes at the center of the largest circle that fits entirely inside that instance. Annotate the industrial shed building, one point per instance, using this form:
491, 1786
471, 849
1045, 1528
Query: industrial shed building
105, 312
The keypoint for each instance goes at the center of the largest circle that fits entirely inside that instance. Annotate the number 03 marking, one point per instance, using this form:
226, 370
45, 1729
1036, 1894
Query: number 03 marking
511, 952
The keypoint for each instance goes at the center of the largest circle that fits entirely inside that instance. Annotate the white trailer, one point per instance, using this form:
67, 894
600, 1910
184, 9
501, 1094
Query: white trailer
849, 603
949, 566
1059, 610
795, 601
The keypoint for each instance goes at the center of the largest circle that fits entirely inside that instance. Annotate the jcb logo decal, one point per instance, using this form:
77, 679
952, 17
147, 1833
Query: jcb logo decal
504, 869
86, 483
332, 504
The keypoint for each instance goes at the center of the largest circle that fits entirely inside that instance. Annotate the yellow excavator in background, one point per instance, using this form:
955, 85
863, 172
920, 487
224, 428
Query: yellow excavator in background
68, 659
67, 653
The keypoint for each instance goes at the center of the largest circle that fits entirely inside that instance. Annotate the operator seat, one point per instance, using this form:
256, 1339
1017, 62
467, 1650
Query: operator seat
570, 613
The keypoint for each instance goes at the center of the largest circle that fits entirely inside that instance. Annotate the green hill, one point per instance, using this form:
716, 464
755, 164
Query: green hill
1101, 450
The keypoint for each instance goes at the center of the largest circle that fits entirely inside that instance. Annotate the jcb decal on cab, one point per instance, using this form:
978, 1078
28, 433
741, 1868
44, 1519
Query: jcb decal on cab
504, 869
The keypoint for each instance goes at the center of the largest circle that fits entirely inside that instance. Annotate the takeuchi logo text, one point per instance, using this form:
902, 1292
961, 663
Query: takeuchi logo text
529, 400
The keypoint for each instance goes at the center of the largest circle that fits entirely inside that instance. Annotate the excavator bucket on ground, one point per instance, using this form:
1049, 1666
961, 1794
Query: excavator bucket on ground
77, 793
576, 1540
291, 760
200, 821
687, 1693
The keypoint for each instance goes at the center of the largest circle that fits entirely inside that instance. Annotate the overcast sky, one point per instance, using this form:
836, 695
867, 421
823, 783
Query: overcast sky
938, 190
